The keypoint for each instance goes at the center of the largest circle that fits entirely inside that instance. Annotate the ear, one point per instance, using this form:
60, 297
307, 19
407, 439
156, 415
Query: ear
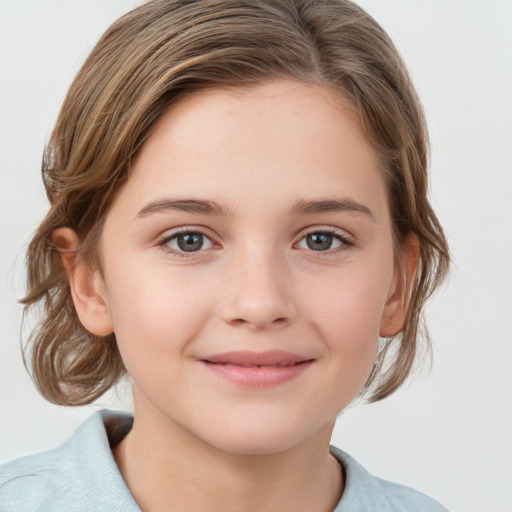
397, 304
87, 284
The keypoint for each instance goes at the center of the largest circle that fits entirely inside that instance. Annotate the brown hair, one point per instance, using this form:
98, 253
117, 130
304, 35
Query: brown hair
149, 59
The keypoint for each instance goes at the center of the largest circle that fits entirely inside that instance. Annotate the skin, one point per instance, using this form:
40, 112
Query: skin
254, 285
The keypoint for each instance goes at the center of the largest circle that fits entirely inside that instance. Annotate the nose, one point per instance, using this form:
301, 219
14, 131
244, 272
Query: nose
258, 295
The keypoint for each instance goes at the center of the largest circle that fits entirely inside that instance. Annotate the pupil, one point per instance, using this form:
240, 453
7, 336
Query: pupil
190, 242
319, 241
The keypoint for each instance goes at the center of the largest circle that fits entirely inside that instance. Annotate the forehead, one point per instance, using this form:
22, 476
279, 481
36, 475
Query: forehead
270, 143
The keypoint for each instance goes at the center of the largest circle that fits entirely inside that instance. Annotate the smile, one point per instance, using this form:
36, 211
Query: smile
258, 365
257, 369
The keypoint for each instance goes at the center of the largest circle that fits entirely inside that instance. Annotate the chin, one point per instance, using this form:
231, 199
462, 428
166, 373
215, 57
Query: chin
259, 439
241, 445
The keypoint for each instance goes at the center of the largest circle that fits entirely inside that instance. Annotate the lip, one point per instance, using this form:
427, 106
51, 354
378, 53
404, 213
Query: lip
257, 369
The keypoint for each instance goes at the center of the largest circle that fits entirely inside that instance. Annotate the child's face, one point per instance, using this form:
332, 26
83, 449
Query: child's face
254, 221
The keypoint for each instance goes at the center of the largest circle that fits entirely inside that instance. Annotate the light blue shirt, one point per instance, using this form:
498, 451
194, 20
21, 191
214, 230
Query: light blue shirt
82, 475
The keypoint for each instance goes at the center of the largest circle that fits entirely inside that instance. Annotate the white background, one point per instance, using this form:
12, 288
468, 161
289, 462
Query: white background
448, 434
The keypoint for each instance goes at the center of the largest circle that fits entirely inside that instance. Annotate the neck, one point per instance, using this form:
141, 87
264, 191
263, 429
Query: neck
167, 468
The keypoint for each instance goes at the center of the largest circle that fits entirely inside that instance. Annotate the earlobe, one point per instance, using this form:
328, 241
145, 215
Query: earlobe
397, 304
86, 284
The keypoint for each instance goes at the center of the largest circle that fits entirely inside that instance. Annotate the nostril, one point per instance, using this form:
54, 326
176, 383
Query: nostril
276, 322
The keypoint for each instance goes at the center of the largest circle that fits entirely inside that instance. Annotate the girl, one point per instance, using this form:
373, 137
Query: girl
239, 220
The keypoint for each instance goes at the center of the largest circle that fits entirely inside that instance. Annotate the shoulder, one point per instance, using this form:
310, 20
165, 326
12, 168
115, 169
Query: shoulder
81, 474
365, 492
32, 480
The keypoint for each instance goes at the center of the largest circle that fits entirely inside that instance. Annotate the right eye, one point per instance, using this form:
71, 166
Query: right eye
187, 242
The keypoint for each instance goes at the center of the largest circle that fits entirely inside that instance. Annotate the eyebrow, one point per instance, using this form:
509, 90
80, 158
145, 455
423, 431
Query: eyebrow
207, 207
199, 206
345, 204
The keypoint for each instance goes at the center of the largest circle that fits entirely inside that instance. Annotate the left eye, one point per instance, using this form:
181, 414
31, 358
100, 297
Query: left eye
190, 241
321, 241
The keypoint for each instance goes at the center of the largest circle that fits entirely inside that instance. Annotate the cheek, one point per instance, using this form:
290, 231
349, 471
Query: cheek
347, 309
351, 301
156, 312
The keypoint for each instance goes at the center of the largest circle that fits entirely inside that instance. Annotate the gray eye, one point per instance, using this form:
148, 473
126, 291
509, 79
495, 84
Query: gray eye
189, 242
320, 242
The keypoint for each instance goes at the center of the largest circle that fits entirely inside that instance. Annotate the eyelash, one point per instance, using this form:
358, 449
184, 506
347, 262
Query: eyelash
346, 242
180, 254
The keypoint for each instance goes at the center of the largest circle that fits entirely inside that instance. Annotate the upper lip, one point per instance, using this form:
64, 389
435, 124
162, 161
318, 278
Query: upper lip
251, 358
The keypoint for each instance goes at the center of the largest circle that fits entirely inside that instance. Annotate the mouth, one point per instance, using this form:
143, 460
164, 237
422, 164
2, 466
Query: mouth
257, 369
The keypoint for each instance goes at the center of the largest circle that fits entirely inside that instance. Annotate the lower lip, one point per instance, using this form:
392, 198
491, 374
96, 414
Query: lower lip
258, 377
